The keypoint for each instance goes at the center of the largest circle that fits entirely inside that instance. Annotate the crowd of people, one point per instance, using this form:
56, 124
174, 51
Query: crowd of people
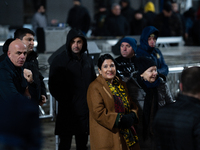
127, 105
121, 19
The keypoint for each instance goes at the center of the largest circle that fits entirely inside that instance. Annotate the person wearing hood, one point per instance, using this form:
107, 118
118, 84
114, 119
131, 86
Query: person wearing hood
79, 17
126, 10
147, 48
70, 74
149, 13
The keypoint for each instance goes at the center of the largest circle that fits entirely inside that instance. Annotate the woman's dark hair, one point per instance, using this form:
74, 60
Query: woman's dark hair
102, 58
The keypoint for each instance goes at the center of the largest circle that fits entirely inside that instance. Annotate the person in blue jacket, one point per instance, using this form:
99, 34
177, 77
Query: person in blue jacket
147, 48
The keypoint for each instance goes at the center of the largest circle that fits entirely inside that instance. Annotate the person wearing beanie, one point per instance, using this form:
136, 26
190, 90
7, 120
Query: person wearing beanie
167, 22
147, 48
125, 62
150, 92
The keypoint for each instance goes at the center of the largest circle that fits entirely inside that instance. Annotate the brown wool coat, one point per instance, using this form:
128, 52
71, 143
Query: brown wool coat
102, 117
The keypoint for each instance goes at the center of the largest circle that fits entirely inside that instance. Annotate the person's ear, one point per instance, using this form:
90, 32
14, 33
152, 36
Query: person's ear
181, 87
99, 71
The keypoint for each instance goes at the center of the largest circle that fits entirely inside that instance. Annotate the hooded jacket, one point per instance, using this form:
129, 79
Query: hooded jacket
69, 78
145, 50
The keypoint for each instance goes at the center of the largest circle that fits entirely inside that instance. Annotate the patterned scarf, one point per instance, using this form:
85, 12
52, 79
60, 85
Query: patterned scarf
122, 106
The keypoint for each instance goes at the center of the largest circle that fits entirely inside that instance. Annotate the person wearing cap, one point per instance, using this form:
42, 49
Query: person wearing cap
167, 22
70, 74
147, 48
149, 13
150, 93
79, 17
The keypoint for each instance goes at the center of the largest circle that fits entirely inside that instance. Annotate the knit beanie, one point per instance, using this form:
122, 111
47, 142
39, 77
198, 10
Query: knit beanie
130, 41
143, 63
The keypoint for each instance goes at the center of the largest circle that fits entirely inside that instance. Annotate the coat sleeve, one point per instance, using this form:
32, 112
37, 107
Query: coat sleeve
99, 108
57, 80
7, 87
163, 68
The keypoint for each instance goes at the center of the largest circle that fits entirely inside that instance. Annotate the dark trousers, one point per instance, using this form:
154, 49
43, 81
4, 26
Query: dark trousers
66, 140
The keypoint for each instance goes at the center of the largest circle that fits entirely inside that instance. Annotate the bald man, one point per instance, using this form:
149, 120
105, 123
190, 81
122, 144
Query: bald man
14, 81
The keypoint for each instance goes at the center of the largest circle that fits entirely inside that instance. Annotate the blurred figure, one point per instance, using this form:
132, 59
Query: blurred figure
138, 23
5, 49
175, 9
116, 24
112, 113
99, 19
148, 48
126, 10
189, 19
177, 126
167, 22
27, 37
20, 127
149, 13
150, 92
79, 17
196, 30
39, 19
39, 23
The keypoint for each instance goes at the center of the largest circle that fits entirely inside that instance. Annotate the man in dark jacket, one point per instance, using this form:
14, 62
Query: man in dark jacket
147, 48
16, 82
116, 24
177, 126
127, 11
71, 72
79, 17
167, 22
126, 61
27, 37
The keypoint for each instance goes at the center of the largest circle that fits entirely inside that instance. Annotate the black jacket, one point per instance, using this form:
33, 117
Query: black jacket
79, 18
32, 64
13, 83
125, 68
177, 126
69, 79
148, 100
116, 26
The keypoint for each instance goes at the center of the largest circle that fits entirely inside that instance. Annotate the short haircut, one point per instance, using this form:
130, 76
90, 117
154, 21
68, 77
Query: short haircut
190, 80
102, 58
21, 32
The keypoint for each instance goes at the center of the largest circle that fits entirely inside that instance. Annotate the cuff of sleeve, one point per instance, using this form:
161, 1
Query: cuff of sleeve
117, 120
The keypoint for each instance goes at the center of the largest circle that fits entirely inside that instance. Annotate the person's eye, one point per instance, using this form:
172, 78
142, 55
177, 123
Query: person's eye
112, 65
105, 66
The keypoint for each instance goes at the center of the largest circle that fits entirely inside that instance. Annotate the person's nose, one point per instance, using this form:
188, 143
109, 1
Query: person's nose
32, 42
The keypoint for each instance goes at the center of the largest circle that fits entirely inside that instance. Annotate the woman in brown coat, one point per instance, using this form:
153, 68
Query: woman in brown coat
112, 115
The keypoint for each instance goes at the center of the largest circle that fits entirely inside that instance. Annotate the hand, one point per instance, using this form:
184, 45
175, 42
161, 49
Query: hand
44, 100
28, 75
127, 120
